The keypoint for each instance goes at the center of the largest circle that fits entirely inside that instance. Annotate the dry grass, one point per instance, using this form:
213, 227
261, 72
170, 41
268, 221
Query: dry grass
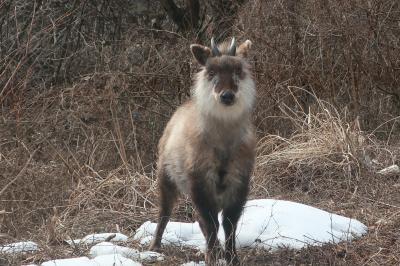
327, 162
331, 163
82, 111
324, 144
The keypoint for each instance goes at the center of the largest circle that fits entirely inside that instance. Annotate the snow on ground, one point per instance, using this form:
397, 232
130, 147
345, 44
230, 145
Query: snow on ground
96, 238
391, 170
203, 263
105, 248
69, 262
192, 263
265, 223
109, 254
150, 256
102, 254
102, 260
269, 224
114, 260
19, 247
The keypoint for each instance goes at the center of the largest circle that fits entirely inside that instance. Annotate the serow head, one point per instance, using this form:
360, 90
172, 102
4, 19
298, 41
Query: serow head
225, 69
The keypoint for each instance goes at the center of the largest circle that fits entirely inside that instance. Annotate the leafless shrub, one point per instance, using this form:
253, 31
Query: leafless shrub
87, 86
344, 52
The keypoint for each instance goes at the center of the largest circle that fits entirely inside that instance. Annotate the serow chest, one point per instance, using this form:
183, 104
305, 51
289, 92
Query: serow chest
224, 172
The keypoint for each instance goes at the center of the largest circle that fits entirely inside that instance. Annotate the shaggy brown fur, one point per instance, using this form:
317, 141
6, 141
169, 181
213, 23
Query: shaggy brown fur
207, 149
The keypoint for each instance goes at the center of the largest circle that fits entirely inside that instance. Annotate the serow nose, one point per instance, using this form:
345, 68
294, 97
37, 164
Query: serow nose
227, 97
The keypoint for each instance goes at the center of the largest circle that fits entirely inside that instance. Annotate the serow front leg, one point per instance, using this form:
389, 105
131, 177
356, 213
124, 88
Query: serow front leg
206, 207
230, 218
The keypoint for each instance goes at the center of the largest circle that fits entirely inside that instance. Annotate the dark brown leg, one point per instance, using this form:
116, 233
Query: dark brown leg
208, 218
168, 196
230, 217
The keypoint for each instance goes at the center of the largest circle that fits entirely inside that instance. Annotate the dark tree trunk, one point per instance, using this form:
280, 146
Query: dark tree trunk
223, 16
188, 18
185, 18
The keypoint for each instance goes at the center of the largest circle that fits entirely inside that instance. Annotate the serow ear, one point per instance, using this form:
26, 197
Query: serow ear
244, 48
201, 53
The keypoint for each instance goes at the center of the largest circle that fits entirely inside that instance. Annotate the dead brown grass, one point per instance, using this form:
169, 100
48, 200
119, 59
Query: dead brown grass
324, 144
81, 117
329, 162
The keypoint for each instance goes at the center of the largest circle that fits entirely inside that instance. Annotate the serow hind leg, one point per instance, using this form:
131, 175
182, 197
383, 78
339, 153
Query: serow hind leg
168, 196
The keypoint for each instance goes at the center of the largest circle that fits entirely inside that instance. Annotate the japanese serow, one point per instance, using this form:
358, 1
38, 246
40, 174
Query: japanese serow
207, 150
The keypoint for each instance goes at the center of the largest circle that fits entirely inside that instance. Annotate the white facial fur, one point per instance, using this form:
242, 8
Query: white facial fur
208, 100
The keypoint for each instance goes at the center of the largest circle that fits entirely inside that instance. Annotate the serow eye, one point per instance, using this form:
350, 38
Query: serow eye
211, 73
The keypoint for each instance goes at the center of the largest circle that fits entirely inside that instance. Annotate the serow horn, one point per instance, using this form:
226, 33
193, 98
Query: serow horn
232, 48
214, 48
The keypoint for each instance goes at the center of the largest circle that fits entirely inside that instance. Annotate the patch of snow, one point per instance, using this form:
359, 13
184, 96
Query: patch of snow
96, 238
203, 263
192, 263
150, 256
102, 260
176, 233
269, 224
19, 247
114, 260
108, 248
81, 261
391, 170
73, 242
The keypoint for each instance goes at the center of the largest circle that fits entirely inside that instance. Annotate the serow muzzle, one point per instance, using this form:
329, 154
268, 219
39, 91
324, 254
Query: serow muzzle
227, 97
